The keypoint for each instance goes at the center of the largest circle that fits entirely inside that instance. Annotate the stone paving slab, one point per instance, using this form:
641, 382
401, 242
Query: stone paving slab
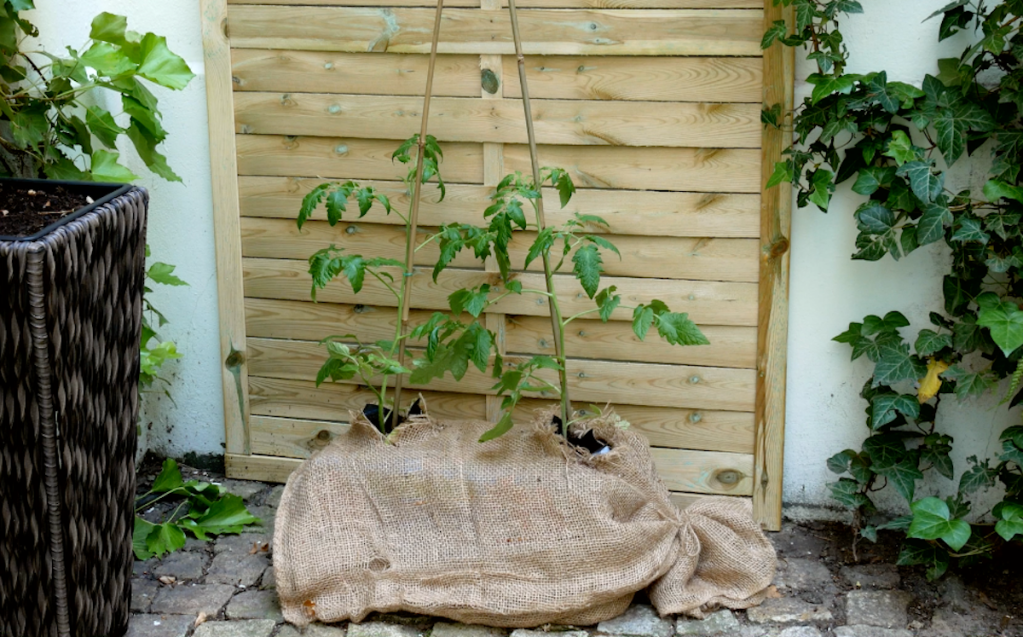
312, 630
142, 594
192, 599
245, 628
722, 621
886, 609
788, 610
269, 580
159, 626
255, 605
444, 629
383, 629
181, 565
802, 574
237, 570
641, 620
244, 488
871, 631
871, 576
241, 544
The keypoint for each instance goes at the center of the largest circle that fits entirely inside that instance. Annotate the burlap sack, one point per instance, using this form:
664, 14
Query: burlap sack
519, 531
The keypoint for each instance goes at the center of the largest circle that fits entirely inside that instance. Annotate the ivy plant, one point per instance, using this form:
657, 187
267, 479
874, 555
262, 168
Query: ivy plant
52, 127
204, 509
894, 143
457, 339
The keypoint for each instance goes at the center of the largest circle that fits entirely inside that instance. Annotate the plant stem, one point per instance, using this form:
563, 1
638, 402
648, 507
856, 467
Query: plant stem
558, 328
413, 222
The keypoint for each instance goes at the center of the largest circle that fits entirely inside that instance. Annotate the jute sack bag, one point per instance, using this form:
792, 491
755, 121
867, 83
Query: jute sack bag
519, 531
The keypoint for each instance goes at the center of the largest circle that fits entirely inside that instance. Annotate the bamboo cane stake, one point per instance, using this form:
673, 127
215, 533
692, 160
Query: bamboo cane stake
410, 239
559, 345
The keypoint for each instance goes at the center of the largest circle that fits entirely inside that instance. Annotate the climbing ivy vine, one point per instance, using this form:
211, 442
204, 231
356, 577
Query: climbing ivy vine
895, 143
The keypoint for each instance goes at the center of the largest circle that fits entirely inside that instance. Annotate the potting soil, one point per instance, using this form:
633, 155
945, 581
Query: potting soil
519, 531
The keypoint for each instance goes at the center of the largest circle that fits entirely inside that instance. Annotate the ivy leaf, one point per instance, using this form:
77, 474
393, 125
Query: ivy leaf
226, 515
163, 273
164, 538
587, 268
902, 475
825, 85
856, 464
106, 169
968, 383
1005, 322
777, 30
934, 557
885, 406
929, 342
169, 478
1011, 522
924, 183
142, 530
822, 185
970, 230
874, 218
871, 178
979, 476
161, 65
847, 493
783, 173
996, 189
932, 521
933, 222
901, 149
891, 322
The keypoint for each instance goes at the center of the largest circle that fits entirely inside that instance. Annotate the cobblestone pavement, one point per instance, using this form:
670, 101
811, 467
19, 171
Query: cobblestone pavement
226, 589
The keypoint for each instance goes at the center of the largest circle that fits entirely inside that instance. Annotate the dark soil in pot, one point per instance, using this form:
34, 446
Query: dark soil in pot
25, 211
372, 413
586, 441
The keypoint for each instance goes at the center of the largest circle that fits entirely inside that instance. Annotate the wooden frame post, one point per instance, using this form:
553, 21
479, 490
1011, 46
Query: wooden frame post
772, 330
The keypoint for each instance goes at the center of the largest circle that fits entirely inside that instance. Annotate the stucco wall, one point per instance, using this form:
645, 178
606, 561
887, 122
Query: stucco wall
828, 290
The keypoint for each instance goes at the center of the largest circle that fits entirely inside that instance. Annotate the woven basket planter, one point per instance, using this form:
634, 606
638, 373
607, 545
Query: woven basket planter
70, 320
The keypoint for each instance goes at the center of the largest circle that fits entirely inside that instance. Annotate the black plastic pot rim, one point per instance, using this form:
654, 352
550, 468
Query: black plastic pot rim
119, 189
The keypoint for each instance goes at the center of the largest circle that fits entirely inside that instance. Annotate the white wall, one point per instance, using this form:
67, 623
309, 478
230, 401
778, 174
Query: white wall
181, 217
828, 290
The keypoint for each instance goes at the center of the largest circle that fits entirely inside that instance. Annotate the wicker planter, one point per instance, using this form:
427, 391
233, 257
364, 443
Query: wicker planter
70, 319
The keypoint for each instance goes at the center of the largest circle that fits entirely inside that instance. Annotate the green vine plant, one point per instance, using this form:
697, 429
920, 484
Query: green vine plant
894, 142
451, 343
51, 127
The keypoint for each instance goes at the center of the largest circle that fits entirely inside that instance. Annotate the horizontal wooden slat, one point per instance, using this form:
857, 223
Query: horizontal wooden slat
360, 73
641, 257
699, 170
709, 430
662, 214
677, 79
547, 4
683, 500
299, 399
692, 471
730, 346
603, 381
461, 119
679, 169
558, 32
670, 79
707, 303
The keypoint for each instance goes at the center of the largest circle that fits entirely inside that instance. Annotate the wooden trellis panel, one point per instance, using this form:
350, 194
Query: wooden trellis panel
654, 108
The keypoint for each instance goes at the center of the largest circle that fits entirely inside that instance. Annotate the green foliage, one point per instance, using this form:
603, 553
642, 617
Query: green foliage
49, 129
893, 141
204, 509
452, 344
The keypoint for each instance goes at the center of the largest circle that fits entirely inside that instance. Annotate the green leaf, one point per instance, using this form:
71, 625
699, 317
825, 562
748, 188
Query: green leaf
108, 27
896, 364
1011, 522
607, 301
885, 406
144, 116
165, 538
933, 222
642, 319
970, 230
22, 5
101, 123
107, 59
163, 273
145, 145
1005, 322
857, 465
848, 493
226, 515
782, 173
822, 185
473, 301
925, 184
162, 66
891, 322
902, 475
106, 169
310, 202
871, 178
934, 557
587, 268
929, 342
542, 244
141, 532
979, 476
901, 149
169, 478
932, 521
678, 329
825, 85
869, 533
995, 189
502, 427
777, 30
874, 218
337, 202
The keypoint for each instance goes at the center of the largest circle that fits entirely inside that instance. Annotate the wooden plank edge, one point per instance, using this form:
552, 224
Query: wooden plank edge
226, 223
776, 220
